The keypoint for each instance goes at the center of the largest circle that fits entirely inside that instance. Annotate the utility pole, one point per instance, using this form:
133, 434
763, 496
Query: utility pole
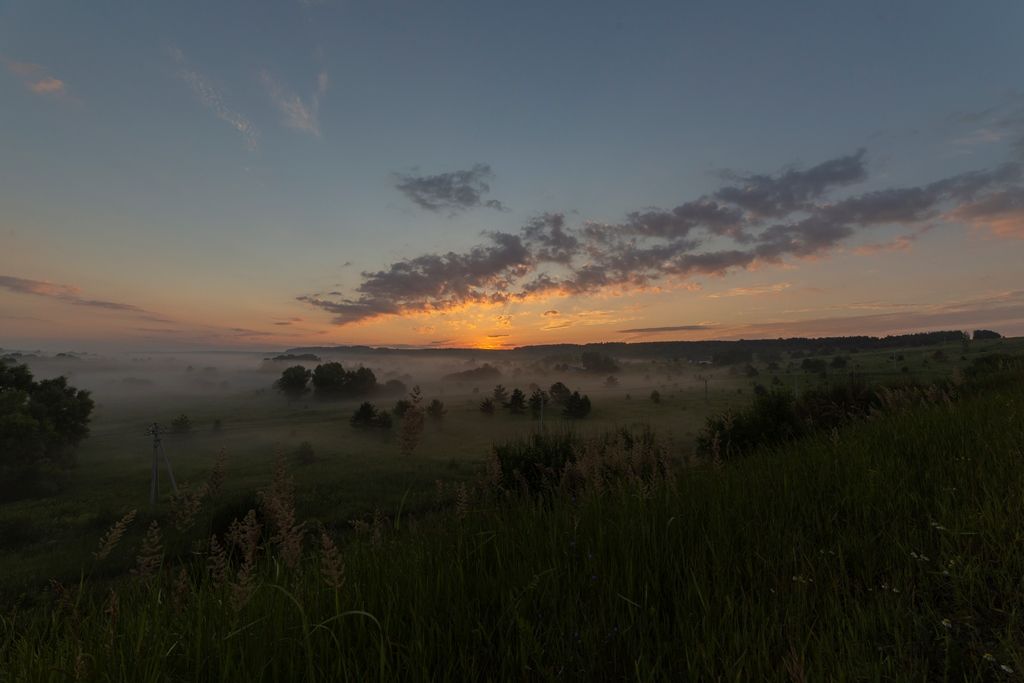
158, 451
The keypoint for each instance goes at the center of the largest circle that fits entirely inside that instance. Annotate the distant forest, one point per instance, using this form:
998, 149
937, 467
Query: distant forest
718, 351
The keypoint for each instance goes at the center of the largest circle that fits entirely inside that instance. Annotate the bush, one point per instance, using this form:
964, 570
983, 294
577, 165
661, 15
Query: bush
393, 387
533, 460
436, 409
577, 407
559, 393
367, 416
517, 402
304, 453
596, 362
538, 399
402, 406
181, 424
776, 416
487, 406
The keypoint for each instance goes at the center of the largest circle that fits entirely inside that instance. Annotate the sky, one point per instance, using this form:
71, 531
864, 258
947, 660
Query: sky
279, 174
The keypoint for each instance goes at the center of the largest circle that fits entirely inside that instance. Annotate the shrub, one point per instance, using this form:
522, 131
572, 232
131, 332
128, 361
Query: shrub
393, 387
487, 406
367, 416
596, 362
436, 409
517, 402
538, 399
304, 453
577, 407
181, 424
559, 393
402, 407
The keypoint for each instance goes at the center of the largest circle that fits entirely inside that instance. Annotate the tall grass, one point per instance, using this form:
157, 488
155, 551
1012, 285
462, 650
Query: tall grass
887, 549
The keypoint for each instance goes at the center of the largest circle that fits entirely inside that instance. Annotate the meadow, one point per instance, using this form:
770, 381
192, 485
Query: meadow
884, 549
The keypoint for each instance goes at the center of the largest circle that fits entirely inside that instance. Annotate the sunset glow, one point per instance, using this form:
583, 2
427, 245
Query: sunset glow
206, 186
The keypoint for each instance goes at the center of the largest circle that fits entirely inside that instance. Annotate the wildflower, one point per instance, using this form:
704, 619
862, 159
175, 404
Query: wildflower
181, 590
332, 567
185, 505
461, 501
947, 623
989, 657
151, 554
217, 564
278, 503
114, 534
216, 481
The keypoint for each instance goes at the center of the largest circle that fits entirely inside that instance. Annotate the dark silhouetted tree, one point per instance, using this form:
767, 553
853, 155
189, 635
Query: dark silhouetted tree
367, 416
332, 381
597, 362
987, 334
559, 393
538, 399
412, 424
402, 407
294, 382
517, 402
487, 406
500, 395
40, 425
577, 406
181, 424
436, 410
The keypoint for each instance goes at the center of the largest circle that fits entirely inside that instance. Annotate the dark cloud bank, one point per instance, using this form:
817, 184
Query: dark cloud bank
450, 192
750, 219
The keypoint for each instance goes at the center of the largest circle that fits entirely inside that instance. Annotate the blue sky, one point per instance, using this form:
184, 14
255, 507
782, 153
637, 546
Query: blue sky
211, 163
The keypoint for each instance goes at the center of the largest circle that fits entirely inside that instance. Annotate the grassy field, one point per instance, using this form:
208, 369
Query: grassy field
355, 473
887, 550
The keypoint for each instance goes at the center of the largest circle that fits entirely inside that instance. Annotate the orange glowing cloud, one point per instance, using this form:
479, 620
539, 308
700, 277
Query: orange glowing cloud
751, 291
901, 243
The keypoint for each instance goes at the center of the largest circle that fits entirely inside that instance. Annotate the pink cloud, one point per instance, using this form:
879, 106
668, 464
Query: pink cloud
1001, 213
47, 86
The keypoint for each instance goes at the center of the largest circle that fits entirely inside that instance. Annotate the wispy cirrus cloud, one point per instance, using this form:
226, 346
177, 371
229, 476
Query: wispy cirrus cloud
298, 114
211, 97
759, 290
72, 295
671, 328
753, 219
37, 78
452, 192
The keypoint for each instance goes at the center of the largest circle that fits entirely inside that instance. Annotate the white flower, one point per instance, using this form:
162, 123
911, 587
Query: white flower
947, 623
